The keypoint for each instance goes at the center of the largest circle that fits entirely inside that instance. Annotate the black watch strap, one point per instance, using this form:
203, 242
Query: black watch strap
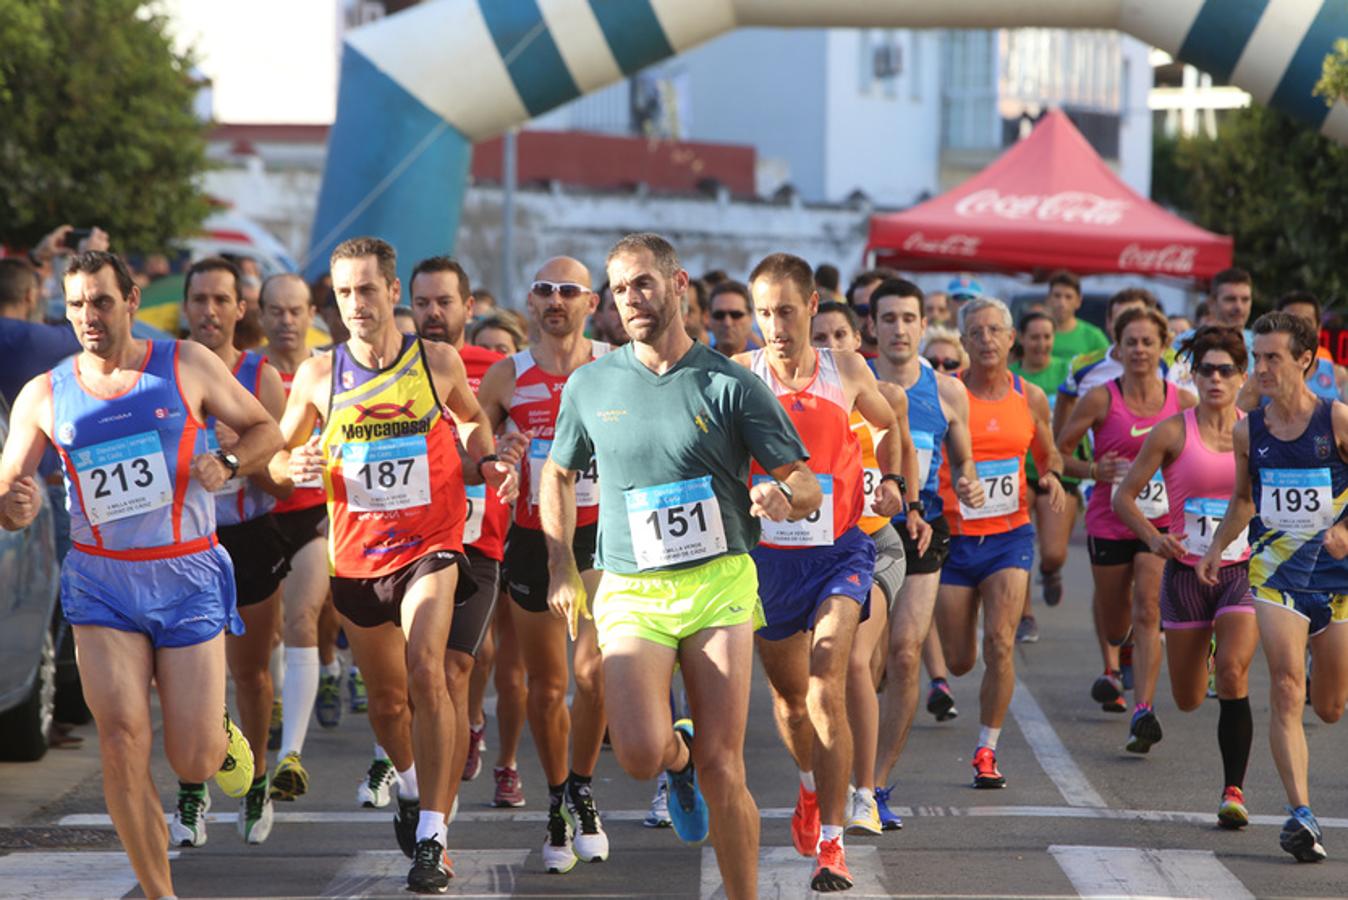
786, 491
490, 457
229, 460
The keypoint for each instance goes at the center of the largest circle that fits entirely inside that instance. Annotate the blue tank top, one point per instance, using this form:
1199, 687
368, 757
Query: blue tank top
128, 462
240, 500
1300, 488
928, 425
1321, 380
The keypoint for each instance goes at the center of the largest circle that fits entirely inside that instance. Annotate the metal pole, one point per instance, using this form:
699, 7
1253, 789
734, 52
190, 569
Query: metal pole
508, 178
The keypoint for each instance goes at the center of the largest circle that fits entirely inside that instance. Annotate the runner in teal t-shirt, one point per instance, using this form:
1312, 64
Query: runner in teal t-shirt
672, 426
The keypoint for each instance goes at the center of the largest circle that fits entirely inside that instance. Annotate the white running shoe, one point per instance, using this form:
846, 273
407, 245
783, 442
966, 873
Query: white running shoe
376, 790
255, 814
590, 841
863, 815
558, 855
188, 828
658, 817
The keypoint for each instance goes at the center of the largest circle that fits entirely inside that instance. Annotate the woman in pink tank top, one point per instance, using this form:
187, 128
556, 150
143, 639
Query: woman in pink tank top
1121, 413
1194, 452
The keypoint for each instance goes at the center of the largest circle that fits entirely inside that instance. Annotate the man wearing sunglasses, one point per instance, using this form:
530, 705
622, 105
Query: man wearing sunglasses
732, 325
525, 391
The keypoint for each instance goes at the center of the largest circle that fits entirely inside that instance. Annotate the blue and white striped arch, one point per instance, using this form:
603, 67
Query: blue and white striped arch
419, 87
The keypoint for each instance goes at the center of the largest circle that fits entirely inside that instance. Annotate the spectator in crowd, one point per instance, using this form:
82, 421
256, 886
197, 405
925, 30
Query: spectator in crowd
1180, 323
936, 308
404, 319
484, 302
1202, 315
326, 302
942, 347
826, 282
606, 324
500, 333
732, 321
714, 277
962, 287
694, 312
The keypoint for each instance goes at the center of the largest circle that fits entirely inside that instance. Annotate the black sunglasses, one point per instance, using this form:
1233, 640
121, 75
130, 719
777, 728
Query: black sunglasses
721, 315
1207, 370
944, 362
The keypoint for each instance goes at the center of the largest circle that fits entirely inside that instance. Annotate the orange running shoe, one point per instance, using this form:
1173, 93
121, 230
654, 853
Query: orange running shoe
985, 769
831, 873
805, 822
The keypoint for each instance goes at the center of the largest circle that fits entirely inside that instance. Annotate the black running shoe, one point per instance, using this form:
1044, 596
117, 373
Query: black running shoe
405, 826
431, 868
1144, 731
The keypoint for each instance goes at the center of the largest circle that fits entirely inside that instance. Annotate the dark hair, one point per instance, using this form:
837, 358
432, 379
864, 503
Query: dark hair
17, 278
896, 287
666, 258
1201, 311
212, 264
1292, 298
843, 309
730, 286
1215, 337
826, 276
1151, 314
1062, 276
1233, 275
443, 264
278, 278
870, 276
501, 323
1132, 295
699, 289
785, 267
1035, 315
1303, 336
91, 262
360, 247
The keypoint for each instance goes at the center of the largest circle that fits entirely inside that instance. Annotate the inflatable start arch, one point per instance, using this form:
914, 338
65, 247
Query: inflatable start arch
420, 87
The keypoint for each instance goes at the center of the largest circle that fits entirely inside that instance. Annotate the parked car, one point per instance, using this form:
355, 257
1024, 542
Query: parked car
30, 631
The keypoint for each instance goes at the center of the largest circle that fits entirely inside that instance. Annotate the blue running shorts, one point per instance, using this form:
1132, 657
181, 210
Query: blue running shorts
793, 584
973, 559
175, 602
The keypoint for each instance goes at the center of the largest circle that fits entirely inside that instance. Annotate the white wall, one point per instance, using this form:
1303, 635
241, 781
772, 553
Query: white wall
1135, 124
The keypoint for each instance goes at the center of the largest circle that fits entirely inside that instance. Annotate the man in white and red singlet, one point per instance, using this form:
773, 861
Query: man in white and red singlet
525, 390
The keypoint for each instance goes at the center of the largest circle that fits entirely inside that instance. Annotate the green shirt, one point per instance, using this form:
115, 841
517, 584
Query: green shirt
1047, 379
1083, 338
690, 433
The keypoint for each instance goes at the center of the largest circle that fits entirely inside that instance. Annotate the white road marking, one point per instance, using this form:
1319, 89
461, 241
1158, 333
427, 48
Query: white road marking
1135, 872
1051, 752
41, 875
383, 873
784, 873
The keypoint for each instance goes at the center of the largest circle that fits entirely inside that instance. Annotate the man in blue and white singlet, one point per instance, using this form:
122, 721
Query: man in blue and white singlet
146, 585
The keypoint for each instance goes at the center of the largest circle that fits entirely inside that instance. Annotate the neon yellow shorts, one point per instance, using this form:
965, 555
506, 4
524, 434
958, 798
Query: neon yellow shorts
1316, 607
666, 607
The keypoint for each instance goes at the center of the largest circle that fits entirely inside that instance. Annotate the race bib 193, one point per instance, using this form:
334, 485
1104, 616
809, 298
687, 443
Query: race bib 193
1001, 489
674, 523
1202, 515
386, 475
475, 495
1296, 499
123, 477
815, 530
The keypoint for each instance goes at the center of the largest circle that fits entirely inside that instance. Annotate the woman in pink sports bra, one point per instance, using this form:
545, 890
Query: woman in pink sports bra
1127, 575
1193, 451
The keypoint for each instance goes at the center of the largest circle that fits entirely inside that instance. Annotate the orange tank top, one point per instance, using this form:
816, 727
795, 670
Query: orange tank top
870, 475
822, 416
1002, 432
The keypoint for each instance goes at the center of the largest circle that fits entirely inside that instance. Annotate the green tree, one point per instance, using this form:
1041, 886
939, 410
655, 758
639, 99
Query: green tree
1333, 83
96, 124
1281, 190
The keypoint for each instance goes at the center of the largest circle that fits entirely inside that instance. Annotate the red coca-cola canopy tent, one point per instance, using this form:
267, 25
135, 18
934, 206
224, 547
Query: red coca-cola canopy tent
1049, 202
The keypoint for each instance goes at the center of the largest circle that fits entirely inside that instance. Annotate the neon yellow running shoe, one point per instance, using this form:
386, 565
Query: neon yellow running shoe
289, 780
236, 772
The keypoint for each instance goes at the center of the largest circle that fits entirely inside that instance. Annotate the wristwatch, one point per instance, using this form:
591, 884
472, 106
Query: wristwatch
490, 457
898, 480
916, 506
786, 491
229, 460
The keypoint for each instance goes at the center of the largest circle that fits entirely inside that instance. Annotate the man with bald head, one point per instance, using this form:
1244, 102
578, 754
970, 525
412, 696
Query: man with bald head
525, 391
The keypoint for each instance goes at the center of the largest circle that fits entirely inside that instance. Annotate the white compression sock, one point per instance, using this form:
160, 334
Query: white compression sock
432, 825
297, 698
987, 737
407, 784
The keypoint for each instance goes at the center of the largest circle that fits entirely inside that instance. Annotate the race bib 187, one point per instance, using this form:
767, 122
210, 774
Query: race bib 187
386, 475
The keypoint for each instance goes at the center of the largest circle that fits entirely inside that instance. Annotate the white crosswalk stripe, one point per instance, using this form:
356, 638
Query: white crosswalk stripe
383, 873
1136, 872
783, 873
41, 875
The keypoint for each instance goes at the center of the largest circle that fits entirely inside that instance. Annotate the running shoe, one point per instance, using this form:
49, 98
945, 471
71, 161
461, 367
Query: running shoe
1052, 584
889, 820
658, 817
274, 729
355, 691
1232, 813
831, 872
1108, 692
863, 817
1301, 836
1027, 632
431, 868
805, 822
559, 855
1144, 731
940, 702
589, 840
986, 774
1126, 663
188, 828
688, 813
405, 826
328, 706
477, 745
376, 789
255, 813
236, 772
509, 788
289, 780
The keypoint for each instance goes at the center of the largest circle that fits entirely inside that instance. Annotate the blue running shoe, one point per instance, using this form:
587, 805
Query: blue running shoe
1301, 836
687, 810
889, 820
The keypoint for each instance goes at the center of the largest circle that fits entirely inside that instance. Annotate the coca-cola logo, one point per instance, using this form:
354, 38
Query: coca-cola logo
1176, 258
950, 245
1070, 207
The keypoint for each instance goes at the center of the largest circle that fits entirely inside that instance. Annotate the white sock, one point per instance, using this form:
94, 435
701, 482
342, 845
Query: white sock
830, 832
407, 784
380, 752
297, 698
333, 669
807, 781
987, 737
432, 825
277, 664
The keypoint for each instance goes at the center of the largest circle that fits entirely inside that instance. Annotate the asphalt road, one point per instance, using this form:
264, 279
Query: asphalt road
1079, 817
